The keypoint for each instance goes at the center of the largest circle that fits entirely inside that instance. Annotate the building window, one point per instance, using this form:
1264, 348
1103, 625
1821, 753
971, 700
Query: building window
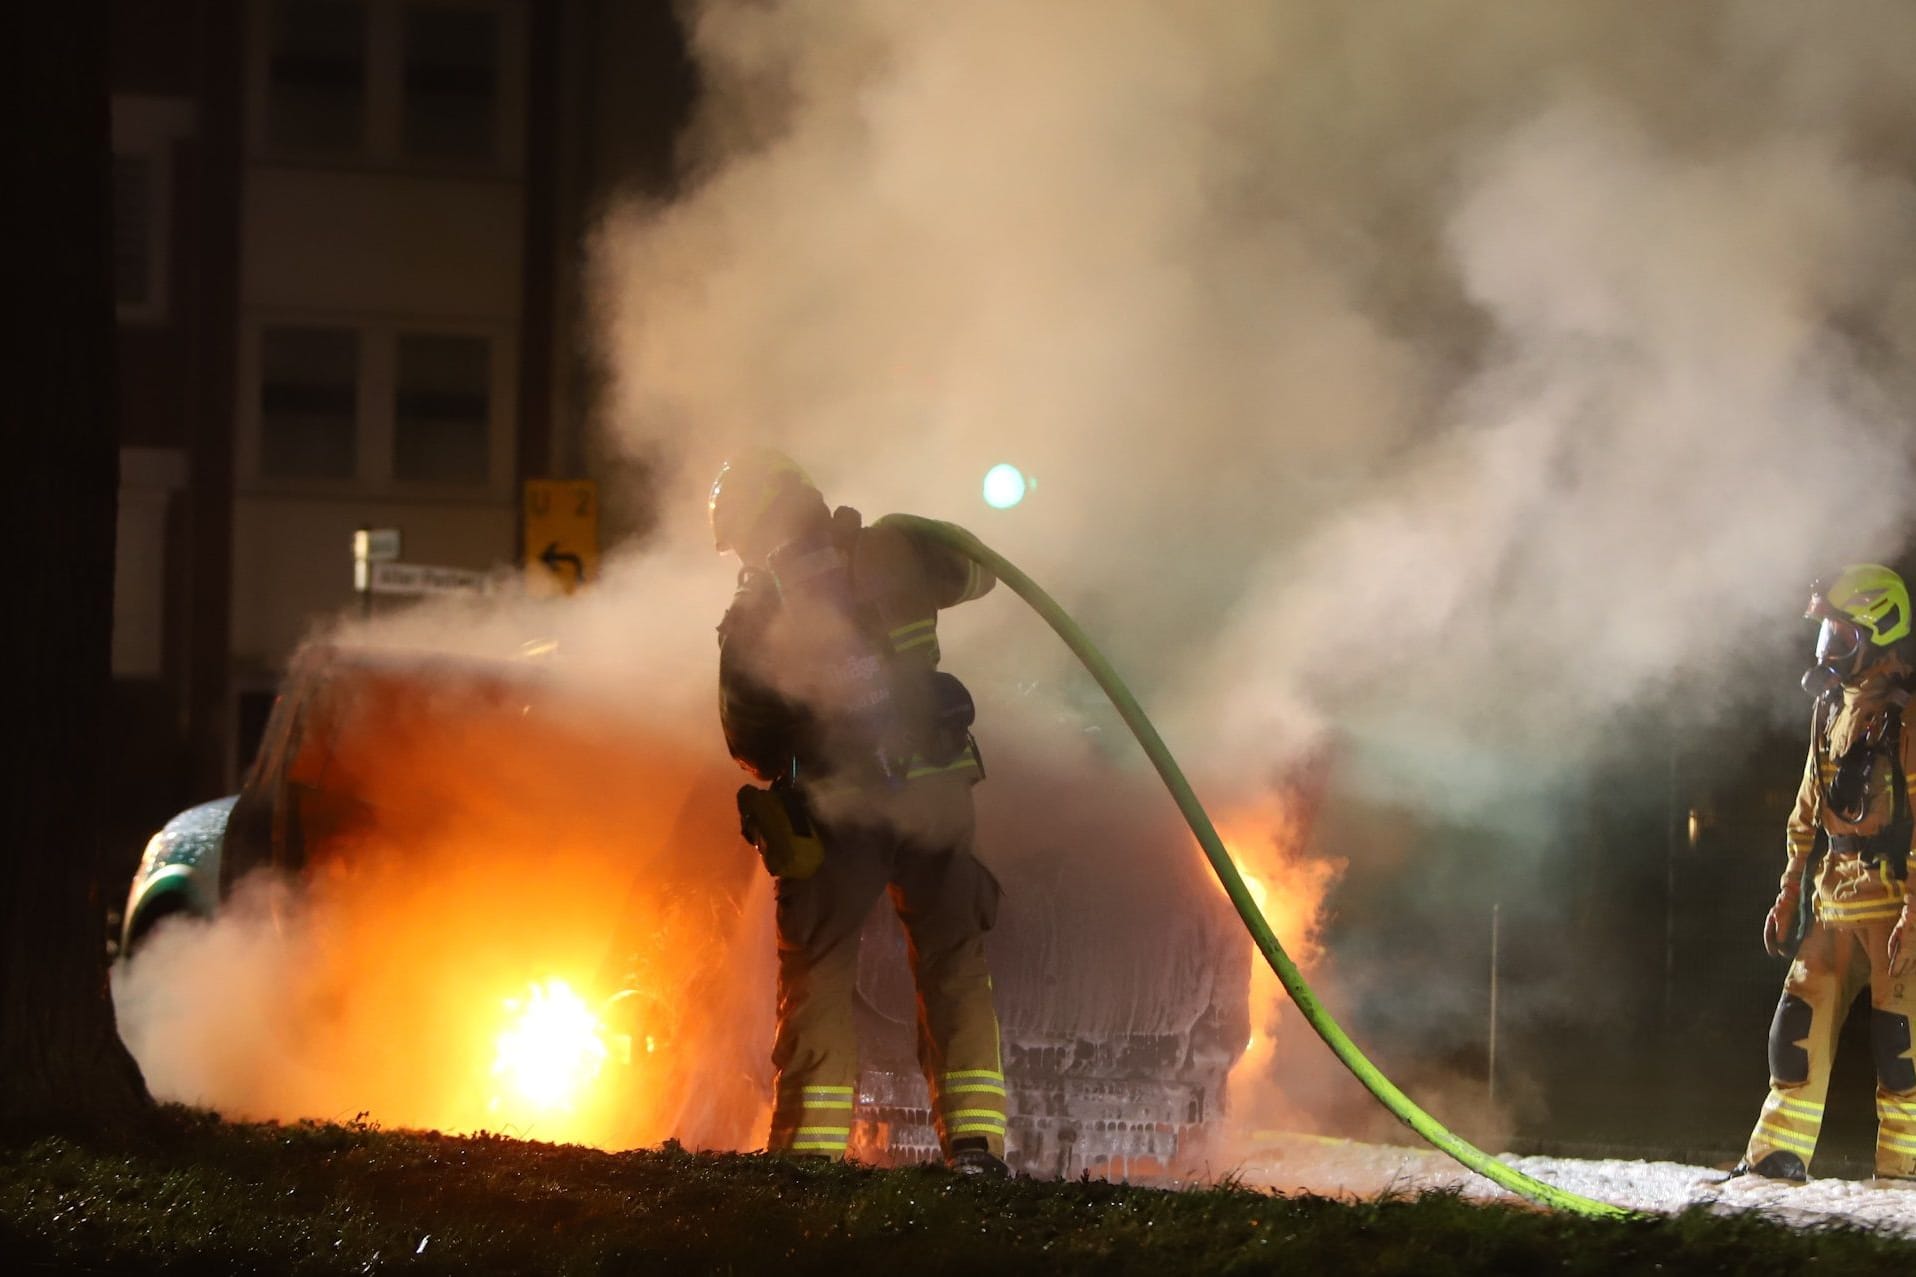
452, 82
442, 410
308, 401
145, 130
316, 80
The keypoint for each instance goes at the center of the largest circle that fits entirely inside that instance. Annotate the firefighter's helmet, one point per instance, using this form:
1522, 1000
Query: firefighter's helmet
747, 487
1865, 605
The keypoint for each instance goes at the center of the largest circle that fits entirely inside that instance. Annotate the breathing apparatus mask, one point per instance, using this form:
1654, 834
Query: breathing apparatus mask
1842, 649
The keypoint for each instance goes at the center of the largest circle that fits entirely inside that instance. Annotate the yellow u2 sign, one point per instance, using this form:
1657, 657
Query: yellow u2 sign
560, 518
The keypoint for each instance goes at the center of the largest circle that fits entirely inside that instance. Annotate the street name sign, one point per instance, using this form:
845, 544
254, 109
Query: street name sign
421, 578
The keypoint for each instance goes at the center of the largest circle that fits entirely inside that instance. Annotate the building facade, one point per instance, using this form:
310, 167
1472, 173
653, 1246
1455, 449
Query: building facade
348, 258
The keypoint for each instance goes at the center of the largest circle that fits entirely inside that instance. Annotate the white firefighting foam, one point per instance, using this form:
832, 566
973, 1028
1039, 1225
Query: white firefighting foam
1332, 1167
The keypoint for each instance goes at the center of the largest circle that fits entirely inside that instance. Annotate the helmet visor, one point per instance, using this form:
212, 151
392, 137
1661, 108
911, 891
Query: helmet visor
1839, 641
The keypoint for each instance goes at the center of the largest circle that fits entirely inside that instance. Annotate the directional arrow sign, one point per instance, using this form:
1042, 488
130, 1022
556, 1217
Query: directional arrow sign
557, 561
561, 541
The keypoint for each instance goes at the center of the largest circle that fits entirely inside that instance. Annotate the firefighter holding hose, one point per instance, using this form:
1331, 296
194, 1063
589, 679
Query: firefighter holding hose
1848, 845
830, 693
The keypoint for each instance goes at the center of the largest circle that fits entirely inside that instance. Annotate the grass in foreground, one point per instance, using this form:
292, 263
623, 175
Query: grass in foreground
328, 1199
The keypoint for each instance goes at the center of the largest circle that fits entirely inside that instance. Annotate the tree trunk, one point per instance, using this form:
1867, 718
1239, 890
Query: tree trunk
62, 1066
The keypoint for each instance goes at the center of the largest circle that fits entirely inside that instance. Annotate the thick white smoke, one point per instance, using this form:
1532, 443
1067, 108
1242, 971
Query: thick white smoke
1459, 378
1451, 368
1448, 377
1669, 435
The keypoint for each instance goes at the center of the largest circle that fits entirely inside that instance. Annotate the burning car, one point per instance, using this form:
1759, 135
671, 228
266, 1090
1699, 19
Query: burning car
476, 836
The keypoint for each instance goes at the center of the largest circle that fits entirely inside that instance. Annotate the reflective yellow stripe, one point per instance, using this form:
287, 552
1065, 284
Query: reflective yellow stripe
917, 634
1769, 1122
974, 580
1895, 1108
1896, 1143
824, 1130
1848, 919
976, 1128
820, 1097
1842, 906
926, 769
817, 1146
1787, 1139
1865, 911
1799, 1108
990, 1114
989, 1081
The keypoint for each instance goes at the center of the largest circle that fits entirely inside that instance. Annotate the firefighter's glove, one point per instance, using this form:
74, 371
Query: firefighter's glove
1779, 929
1902, 957
778, 823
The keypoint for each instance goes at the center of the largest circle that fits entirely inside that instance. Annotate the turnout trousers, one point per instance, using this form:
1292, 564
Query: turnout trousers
918, 845
1831, 967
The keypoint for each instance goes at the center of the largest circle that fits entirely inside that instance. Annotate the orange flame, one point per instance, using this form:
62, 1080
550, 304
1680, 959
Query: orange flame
1270, 843
463, 843
551, 1053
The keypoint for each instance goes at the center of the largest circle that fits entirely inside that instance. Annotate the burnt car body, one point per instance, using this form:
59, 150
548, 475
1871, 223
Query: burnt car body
1121, 977
294, 797
179, 870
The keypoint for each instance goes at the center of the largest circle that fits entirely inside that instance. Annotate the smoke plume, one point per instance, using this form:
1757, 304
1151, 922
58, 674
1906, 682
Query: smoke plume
1446, 364
1454, 379
1437, 385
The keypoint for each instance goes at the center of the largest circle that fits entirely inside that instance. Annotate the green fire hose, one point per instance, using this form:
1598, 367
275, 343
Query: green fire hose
1439, 1136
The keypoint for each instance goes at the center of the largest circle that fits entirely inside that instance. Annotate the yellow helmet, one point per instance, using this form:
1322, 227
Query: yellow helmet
747, 487
1868, 595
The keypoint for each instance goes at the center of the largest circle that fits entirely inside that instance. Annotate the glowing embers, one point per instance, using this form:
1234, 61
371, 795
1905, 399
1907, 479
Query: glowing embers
551, 1053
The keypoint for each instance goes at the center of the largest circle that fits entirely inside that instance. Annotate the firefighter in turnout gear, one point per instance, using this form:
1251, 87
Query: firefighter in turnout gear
830, 692
1848, 842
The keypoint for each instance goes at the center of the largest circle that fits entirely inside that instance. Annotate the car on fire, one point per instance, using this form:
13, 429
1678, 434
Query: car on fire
1122, 979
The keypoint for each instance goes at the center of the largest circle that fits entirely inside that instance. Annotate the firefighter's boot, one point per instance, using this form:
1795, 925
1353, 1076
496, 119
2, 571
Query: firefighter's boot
1778, 1165
970, 1156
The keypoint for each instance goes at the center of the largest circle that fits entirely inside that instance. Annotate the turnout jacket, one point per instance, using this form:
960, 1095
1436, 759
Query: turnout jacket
1862, 877
838, 683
